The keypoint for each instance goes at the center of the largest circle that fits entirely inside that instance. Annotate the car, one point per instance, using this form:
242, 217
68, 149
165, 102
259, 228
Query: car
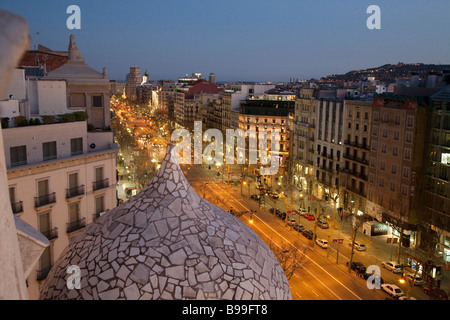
435, 293
291, 221
260, 187
392, 266
406, 298
376, 277
255, 197
309, 216
392, 290
417, 280
274, 195
276, 211
358, 267
299, 227
358, 246
322, 224
282, 215
322, 243
302, 211
308, 234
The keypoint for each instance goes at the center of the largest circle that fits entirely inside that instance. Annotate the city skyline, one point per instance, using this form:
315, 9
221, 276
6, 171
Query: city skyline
241, 42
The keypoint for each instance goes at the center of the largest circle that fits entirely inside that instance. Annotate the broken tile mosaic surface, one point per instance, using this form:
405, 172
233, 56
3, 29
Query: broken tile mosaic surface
168, 243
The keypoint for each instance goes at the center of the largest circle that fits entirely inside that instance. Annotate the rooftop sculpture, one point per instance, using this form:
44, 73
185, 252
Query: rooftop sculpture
168, 243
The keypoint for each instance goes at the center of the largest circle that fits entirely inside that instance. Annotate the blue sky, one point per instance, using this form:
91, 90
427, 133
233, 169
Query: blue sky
246, 40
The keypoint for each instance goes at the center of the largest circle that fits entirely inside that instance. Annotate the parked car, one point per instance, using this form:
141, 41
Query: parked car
436, 293
308, 234
322, 243
358, 246
302, 211
322, 224
282, 215
299, 227
392, 290
274, 195
410, 277
358, 267
309, 216
277, 211
366, 276
392, 266
291, 221
260, 187
255, 196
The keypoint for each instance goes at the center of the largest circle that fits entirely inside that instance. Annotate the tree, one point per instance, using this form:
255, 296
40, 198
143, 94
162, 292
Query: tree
356, 223
290, 256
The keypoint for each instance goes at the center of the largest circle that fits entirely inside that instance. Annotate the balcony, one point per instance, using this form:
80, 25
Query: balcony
75, 191
51, 234
42, 274
44, 200
100, 184
17, 207
76, 225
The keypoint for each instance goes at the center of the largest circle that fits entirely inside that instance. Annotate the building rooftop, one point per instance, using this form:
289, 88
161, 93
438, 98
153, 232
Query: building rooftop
167, 242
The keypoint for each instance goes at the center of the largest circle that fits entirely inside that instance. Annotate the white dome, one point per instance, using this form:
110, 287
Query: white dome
168, 243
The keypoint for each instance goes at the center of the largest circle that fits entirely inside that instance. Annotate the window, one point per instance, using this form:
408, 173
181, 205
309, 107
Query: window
405, 172
375, 131
18, 155
44, 222
99, 204
381, 182
376, 116
394, 151
396, 135
74, 212
97, 101
407, 154
397, 119
404, 190
372, 162
374, 146
394, 169
76, 146
409, 121
385, 117
408, 136
392, 186
49, 150
382, 165
383, 147
384, 132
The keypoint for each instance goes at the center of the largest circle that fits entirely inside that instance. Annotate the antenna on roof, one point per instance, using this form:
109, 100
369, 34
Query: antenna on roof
37, 40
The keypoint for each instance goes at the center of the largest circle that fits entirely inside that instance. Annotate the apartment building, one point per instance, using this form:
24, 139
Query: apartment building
395, 162
61, 175
302, 137
268, 115
436, 180
328, 146
355, 157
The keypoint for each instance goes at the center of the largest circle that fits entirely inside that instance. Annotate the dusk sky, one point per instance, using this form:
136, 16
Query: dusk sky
246, 40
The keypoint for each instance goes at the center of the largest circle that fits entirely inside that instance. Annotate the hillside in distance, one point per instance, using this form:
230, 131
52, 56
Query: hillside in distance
388, 72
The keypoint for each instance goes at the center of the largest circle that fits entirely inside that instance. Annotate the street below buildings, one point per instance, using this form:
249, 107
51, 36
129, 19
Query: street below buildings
324, 274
